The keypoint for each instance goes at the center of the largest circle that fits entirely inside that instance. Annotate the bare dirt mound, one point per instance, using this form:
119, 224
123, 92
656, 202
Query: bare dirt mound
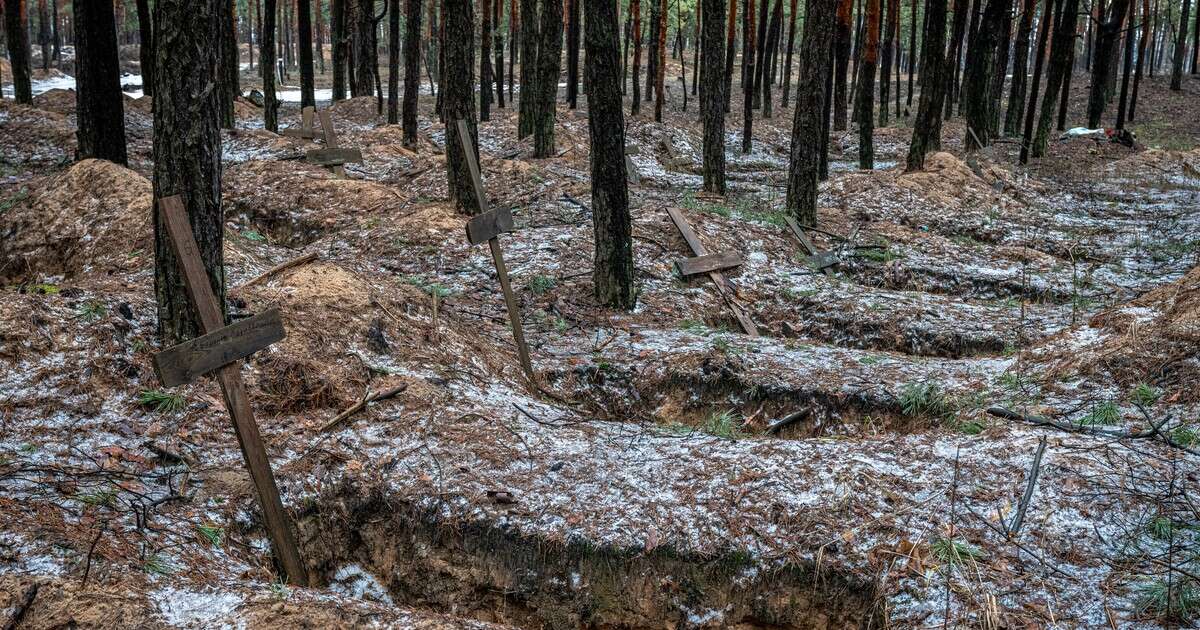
1155, 339
362, 109
243, 108
93, 217
56, 100
33, 135
946, 178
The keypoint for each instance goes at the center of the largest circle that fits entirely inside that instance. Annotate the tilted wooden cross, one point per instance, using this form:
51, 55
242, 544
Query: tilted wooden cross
488, 226
817, 258
712, 265
218, 350
332, 155
306, 130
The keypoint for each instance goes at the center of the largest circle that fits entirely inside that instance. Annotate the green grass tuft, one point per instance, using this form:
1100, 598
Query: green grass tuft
158, 565
540, 284
1104, 414
1144, 395
160, 401
925, 399
955, 552
211, 534
723, 424
91, 311
1179, 601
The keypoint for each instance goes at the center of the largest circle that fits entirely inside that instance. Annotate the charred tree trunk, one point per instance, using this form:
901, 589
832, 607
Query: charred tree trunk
100, 106
635, 16
412, 68
548, 66
16, 31
977, 84
927, 127
270, 104
393, 105
712, 96
748, 80
612, 270
889, 47
187, 151
1016, 94
304, 22
787, 64
1180, 48
485, 59
1106, 48
841, 63
573, 53
866, 87
145, 47
529, 55
458, 49
810, 117
1060, 68
1141, 55
1047, 21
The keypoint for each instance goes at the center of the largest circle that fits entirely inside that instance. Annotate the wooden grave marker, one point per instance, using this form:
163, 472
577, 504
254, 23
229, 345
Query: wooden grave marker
487, 226
306, 130
708, 262
332, 156
724, 288
218, 350
817, 258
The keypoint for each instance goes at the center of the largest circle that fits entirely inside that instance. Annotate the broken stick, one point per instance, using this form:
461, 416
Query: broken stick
362, 404
295, 262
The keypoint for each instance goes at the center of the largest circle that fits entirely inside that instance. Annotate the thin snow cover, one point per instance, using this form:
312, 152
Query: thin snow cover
67, 82
27, 561
353, 581
186, 608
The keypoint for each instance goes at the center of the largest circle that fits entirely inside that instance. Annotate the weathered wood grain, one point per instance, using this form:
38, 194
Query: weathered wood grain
484, 227
333, 156
707, 262
189, 360
723, 287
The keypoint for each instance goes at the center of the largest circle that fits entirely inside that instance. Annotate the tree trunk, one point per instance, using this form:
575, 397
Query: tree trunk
56, 34
889, 46
337, 36
187, 151
393, 105
660, 64
787, 64
364, 73
748, 79
514, 45
768, 76
270, 104
1106, 48
977, 84
529, 55
809, 123
304, 21
712, 96
100, 106
928, 126
696, 51
730, 53
16, 30
319, 28
866, 87
1039, 57
1016, 94
1180, 48
412, 68
841, 59
548, 65
485, 59
1060, 69
635, 16
652, 49
613, 269
573, 53
145, 47
760, 52
458, 49
912, 55
498, 43
227, 63
999, 70
1137, 73
1123, 105
953, 60
43, 35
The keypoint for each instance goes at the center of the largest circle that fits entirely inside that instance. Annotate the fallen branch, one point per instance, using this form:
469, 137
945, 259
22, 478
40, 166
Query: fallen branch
295, 262
362, 404
1155, 431
1034, 471
788, 421
22, 606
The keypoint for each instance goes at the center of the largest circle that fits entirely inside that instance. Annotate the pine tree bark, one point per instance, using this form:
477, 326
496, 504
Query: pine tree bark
43, 35
999, 69
16, 31
1127, 71
485, 60
810, 117
529, 55
549, 64
337, 39
787, 65
1180, 48
652, 49
841, 63
573, 35
748, 79
100, 106
227, 63
767, 74
319, 27
912, 56
498, 45
393, 105
635, 16
187, 151
1141, 55
954, 58
1016, 94
889, 47
730, 53
363, 83
866, 87
1047, 22
977, 83
928, 124
1060, 68
458, 49
412, 68
712, 96
304, 25
145, 47
1102, 68
270, 104
612, 270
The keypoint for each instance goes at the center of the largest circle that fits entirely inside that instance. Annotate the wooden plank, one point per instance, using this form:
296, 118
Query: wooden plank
278, 522
333, 156
189, 360
306, 134
306, 117
723, 287
816, 257
510, 300
331, 140
487, 226
631, 172
706, 263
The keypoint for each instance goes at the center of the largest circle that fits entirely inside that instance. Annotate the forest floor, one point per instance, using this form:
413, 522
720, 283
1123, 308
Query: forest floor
650, 481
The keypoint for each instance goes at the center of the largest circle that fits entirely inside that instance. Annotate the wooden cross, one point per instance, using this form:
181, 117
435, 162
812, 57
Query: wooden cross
488, 226
817, 258
306, 125
332, 156
218, 350
702, 261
